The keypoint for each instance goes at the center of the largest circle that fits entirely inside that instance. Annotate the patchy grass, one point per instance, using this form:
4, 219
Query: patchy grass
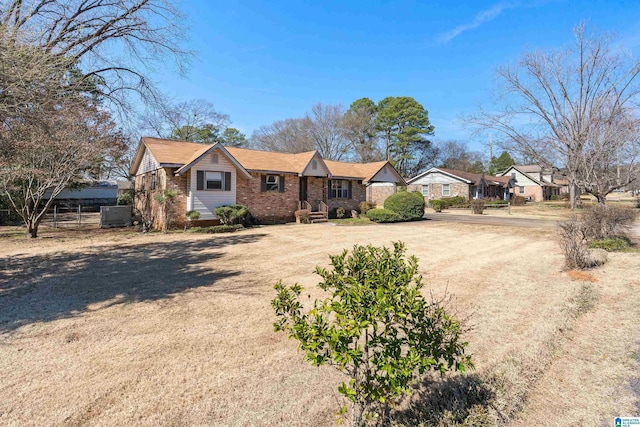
362, 220
125, 328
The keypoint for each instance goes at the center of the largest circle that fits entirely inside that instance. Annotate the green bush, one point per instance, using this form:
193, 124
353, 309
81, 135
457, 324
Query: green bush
612, 244
375, 325
216, 229
365, 206
233, 214
409, 205
193, 215
494, 202
456, 202
340, 212
383, 215
554, 197
438, 205
126, 199
477, 205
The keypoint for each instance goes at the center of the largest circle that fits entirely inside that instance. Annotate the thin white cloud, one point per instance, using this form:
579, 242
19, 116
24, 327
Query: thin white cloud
484, 16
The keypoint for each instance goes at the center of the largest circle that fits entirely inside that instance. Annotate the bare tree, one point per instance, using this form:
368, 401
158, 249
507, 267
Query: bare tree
195, 120
325, 126
558, 104
610, 157
113, 43
452, 154
49, 149
288, 136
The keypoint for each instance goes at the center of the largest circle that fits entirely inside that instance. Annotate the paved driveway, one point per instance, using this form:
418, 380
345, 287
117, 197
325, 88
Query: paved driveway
634, 233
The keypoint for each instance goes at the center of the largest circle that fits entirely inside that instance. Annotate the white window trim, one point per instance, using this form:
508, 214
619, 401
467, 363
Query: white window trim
425, 190
448, 192
521, 189
206, 181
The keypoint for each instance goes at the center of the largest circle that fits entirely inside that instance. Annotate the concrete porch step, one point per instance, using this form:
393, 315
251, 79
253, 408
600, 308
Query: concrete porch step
318, 220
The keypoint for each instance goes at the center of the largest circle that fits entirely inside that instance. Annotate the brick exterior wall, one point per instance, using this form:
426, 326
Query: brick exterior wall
145, 202
534, 193
316, 191
270, 206
379, 193
435, 190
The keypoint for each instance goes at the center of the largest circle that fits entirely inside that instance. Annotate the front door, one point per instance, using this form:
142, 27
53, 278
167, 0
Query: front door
303, 188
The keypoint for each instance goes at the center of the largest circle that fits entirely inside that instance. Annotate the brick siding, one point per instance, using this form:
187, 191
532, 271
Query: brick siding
270, 206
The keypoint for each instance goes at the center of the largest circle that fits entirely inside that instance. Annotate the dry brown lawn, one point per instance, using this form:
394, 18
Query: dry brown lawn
117, 328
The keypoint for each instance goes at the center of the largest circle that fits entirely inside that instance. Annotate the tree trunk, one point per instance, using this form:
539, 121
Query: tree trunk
572, 196
356, 415
32, 229
602, 198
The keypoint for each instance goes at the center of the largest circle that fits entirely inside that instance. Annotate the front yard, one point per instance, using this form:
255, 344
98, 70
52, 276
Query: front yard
119, 328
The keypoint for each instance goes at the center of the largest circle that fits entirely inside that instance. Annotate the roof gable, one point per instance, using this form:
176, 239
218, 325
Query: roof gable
198, 155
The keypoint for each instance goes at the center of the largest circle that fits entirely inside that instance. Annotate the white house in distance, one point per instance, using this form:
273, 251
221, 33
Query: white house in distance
438, 183
536, 183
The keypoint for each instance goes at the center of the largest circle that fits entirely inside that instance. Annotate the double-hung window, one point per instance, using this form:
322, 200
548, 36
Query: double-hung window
446, 190
521, 189
214, 180
425, 190
340, 189
273, 183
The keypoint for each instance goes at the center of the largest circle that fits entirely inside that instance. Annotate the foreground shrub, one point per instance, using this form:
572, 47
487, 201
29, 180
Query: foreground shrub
383, 215
216, 229
607, 221
611, 244
303, 216
233, 214
376, 327
409, 205
574, 243
477, 205
365, 206
340, 212
438, 205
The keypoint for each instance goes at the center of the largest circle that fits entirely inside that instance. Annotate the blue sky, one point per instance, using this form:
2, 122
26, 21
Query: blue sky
262, 61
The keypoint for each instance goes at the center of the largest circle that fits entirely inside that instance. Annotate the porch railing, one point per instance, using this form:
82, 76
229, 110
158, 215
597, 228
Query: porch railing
324, 208
303, 204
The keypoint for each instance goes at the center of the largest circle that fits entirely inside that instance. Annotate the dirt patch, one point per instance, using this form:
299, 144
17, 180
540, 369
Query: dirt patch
581, 276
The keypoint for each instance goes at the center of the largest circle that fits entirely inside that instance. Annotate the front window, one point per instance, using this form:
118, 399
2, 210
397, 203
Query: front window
340, 189
425, 190
445, 189
214, 180
521, 190
273, 182
153, 180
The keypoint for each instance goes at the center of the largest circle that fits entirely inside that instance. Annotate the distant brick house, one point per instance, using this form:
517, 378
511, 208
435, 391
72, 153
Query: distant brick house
536, 183
438, 183
272, 185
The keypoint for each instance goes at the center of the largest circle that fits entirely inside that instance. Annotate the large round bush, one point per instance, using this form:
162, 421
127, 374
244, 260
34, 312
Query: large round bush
408, 205
383, 215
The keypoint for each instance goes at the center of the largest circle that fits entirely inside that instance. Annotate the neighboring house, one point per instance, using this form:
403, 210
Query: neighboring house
437, 183
90, 196
535, 182
272, 185
124, 187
